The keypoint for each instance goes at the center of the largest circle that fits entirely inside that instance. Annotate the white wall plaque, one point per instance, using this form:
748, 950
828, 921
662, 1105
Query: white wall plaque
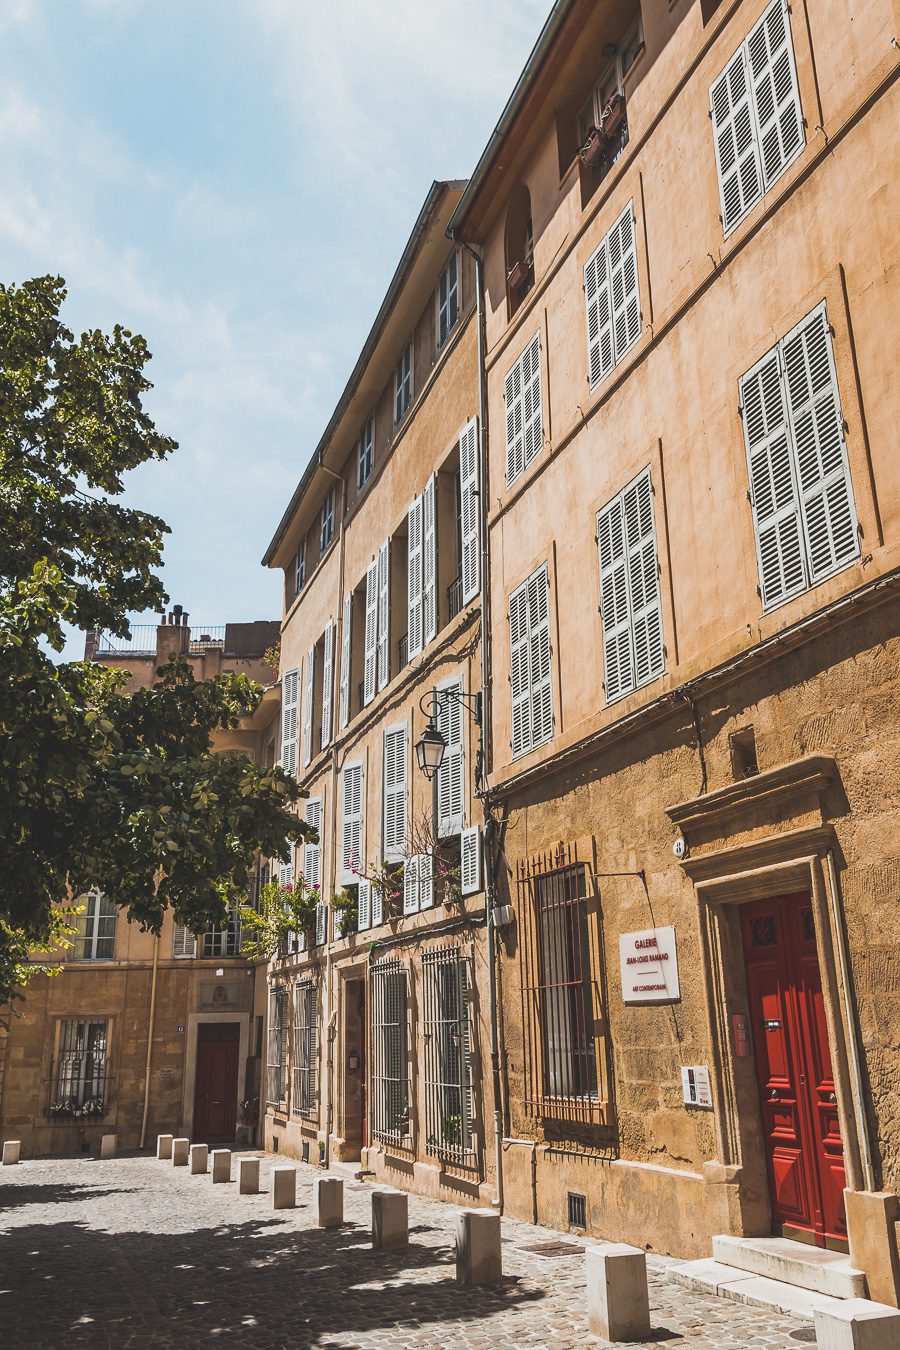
695, 1085
649, 966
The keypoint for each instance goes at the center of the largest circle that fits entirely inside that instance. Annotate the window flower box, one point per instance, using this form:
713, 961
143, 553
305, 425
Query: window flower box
518, 275
613, 115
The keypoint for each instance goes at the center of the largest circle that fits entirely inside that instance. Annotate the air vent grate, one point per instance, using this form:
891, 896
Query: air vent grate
577, 1210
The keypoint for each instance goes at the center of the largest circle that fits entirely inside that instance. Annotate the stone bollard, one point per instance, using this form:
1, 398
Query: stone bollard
107, 1146
221, 1164
284, 1187
164, 1146
857, 1324
328, 1202
199, 1154
390, 1220
618, 1301
180, 1149
248, 1176
12, 1150
478, 1259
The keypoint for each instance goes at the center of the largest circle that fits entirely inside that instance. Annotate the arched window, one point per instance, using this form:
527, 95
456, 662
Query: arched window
519, 248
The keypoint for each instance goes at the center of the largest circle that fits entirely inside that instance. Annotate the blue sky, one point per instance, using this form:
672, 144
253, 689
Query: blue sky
235, 179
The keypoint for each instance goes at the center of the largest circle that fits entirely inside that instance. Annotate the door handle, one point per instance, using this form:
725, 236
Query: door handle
832, 1097
774, 1095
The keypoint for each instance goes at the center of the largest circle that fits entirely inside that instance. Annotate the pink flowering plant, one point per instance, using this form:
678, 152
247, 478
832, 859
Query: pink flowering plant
283, 909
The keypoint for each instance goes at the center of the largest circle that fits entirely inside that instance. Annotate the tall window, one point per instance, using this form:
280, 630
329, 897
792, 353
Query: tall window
79, 1078
630, 611
390, 1077
394, 794
326, 533
519, 248
756, 115
524, 424
529, 661
300, 568
352, 823
403, 383
801, 494
96, 938
559, 957
448, 298
611, 82
365, 453
290, 695
448, 1056
612, 302
303, 1095
275, 1084
223, 941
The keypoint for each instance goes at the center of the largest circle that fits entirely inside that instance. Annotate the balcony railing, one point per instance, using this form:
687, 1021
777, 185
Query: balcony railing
454, 597
142, 640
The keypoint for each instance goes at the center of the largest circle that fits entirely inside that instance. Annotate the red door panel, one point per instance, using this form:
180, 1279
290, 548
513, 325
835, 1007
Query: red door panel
216, 1081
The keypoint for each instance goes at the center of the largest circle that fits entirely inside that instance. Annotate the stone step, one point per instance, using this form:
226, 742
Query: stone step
795, 1263
714, 1277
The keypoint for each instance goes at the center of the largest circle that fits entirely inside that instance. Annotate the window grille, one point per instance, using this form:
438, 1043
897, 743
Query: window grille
577, 1205
303, 1097
79, 1080
96, 939
448, 298
223, 941
559, 957
390, 1078
275, 1084
448, 1057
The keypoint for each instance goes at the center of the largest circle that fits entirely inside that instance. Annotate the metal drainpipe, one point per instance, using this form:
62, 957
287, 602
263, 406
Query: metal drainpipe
150, 1040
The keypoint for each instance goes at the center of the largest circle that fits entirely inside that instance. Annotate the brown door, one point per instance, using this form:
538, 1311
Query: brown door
804, 1153
216, 1081
362, 1063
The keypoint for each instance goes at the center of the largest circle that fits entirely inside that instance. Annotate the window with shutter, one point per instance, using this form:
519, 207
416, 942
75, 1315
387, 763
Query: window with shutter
394, 791
414, 636
470, 860
530, 679
448, 299
384, 614
630, 609
184, 944
365, 454
364, 906
449, 777
371, 634
756, 115
346, 630
524, 425
327, 682
312, 851
352, 834
411, 885
426, 880
470, 521
308, 697
611, 297
321, 915
376, 905
804, 513
429, 560
300, 568
403, 384
289, 692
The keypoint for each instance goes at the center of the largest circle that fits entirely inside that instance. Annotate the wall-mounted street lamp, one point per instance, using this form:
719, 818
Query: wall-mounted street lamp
430, 746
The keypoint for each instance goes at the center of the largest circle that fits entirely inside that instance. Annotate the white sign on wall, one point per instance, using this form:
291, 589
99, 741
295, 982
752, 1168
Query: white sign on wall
695, 1085
649, 966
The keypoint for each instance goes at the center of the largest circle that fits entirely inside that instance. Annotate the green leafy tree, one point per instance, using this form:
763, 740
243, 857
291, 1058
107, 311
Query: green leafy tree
281, 911
97, 788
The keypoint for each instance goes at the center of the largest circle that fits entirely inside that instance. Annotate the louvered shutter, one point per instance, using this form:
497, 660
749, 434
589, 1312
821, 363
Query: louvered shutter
515, 439
426, 880
599, 315
773, 492
351, 840
618, 669
289, 691
470, 518
776, 96
623, 284
823, 474
184, 944
518, 663
376, 906
532, 411
327, 682
411, 885
394, 792
429, 560
346, 629
414, 580
539, 658
285, 874
450, 804
371, 634
384, 614
470, 860
365, 896
321, 922
312, 852
643, 580
734, 133
308, 705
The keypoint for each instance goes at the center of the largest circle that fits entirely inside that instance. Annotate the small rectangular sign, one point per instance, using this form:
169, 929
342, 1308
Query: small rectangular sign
649, 966
695, 1085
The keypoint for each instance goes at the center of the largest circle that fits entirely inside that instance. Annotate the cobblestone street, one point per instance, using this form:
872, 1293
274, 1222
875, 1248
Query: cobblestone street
133, 1252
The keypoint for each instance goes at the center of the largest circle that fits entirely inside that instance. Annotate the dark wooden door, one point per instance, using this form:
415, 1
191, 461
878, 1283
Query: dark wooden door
216, 1081
362, 1062
804, 1153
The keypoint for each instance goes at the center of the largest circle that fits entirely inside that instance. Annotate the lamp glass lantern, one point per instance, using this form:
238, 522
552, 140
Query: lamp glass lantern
430, 748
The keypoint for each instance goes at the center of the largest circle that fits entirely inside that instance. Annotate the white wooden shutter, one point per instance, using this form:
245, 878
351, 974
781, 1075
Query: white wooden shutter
371, 634
643, 580
290, 689
734, 134
327, 682
776, 96
470, 523
312, 852
599, 315
414, 640
308, 704
365, 897
411, 885
376, 906
515, 440
518, 666
346, 629
623, 284
394, 793
470, 860
321, 927
285, 873
426, 880
429, 560
539, 657
450, 798
384, 614
184, 944
532, 412
351, 839
618, 665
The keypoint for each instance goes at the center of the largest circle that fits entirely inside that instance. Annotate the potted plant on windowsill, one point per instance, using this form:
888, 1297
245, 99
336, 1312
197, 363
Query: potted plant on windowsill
519, 274
613, 115
593, 152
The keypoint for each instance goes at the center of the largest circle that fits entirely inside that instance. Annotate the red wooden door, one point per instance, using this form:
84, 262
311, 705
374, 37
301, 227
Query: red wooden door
804, 1153
216, 1081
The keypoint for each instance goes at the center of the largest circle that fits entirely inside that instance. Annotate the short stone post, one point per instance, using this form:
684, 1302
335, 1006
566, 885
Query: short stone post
478, 1259
164, 1146
221, 1164
857, 1324
199, 1159
12, 1150
390, 1220
284, 1187
618, 1301
328, 1202
248, 1176
107, 1146
180, 1149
